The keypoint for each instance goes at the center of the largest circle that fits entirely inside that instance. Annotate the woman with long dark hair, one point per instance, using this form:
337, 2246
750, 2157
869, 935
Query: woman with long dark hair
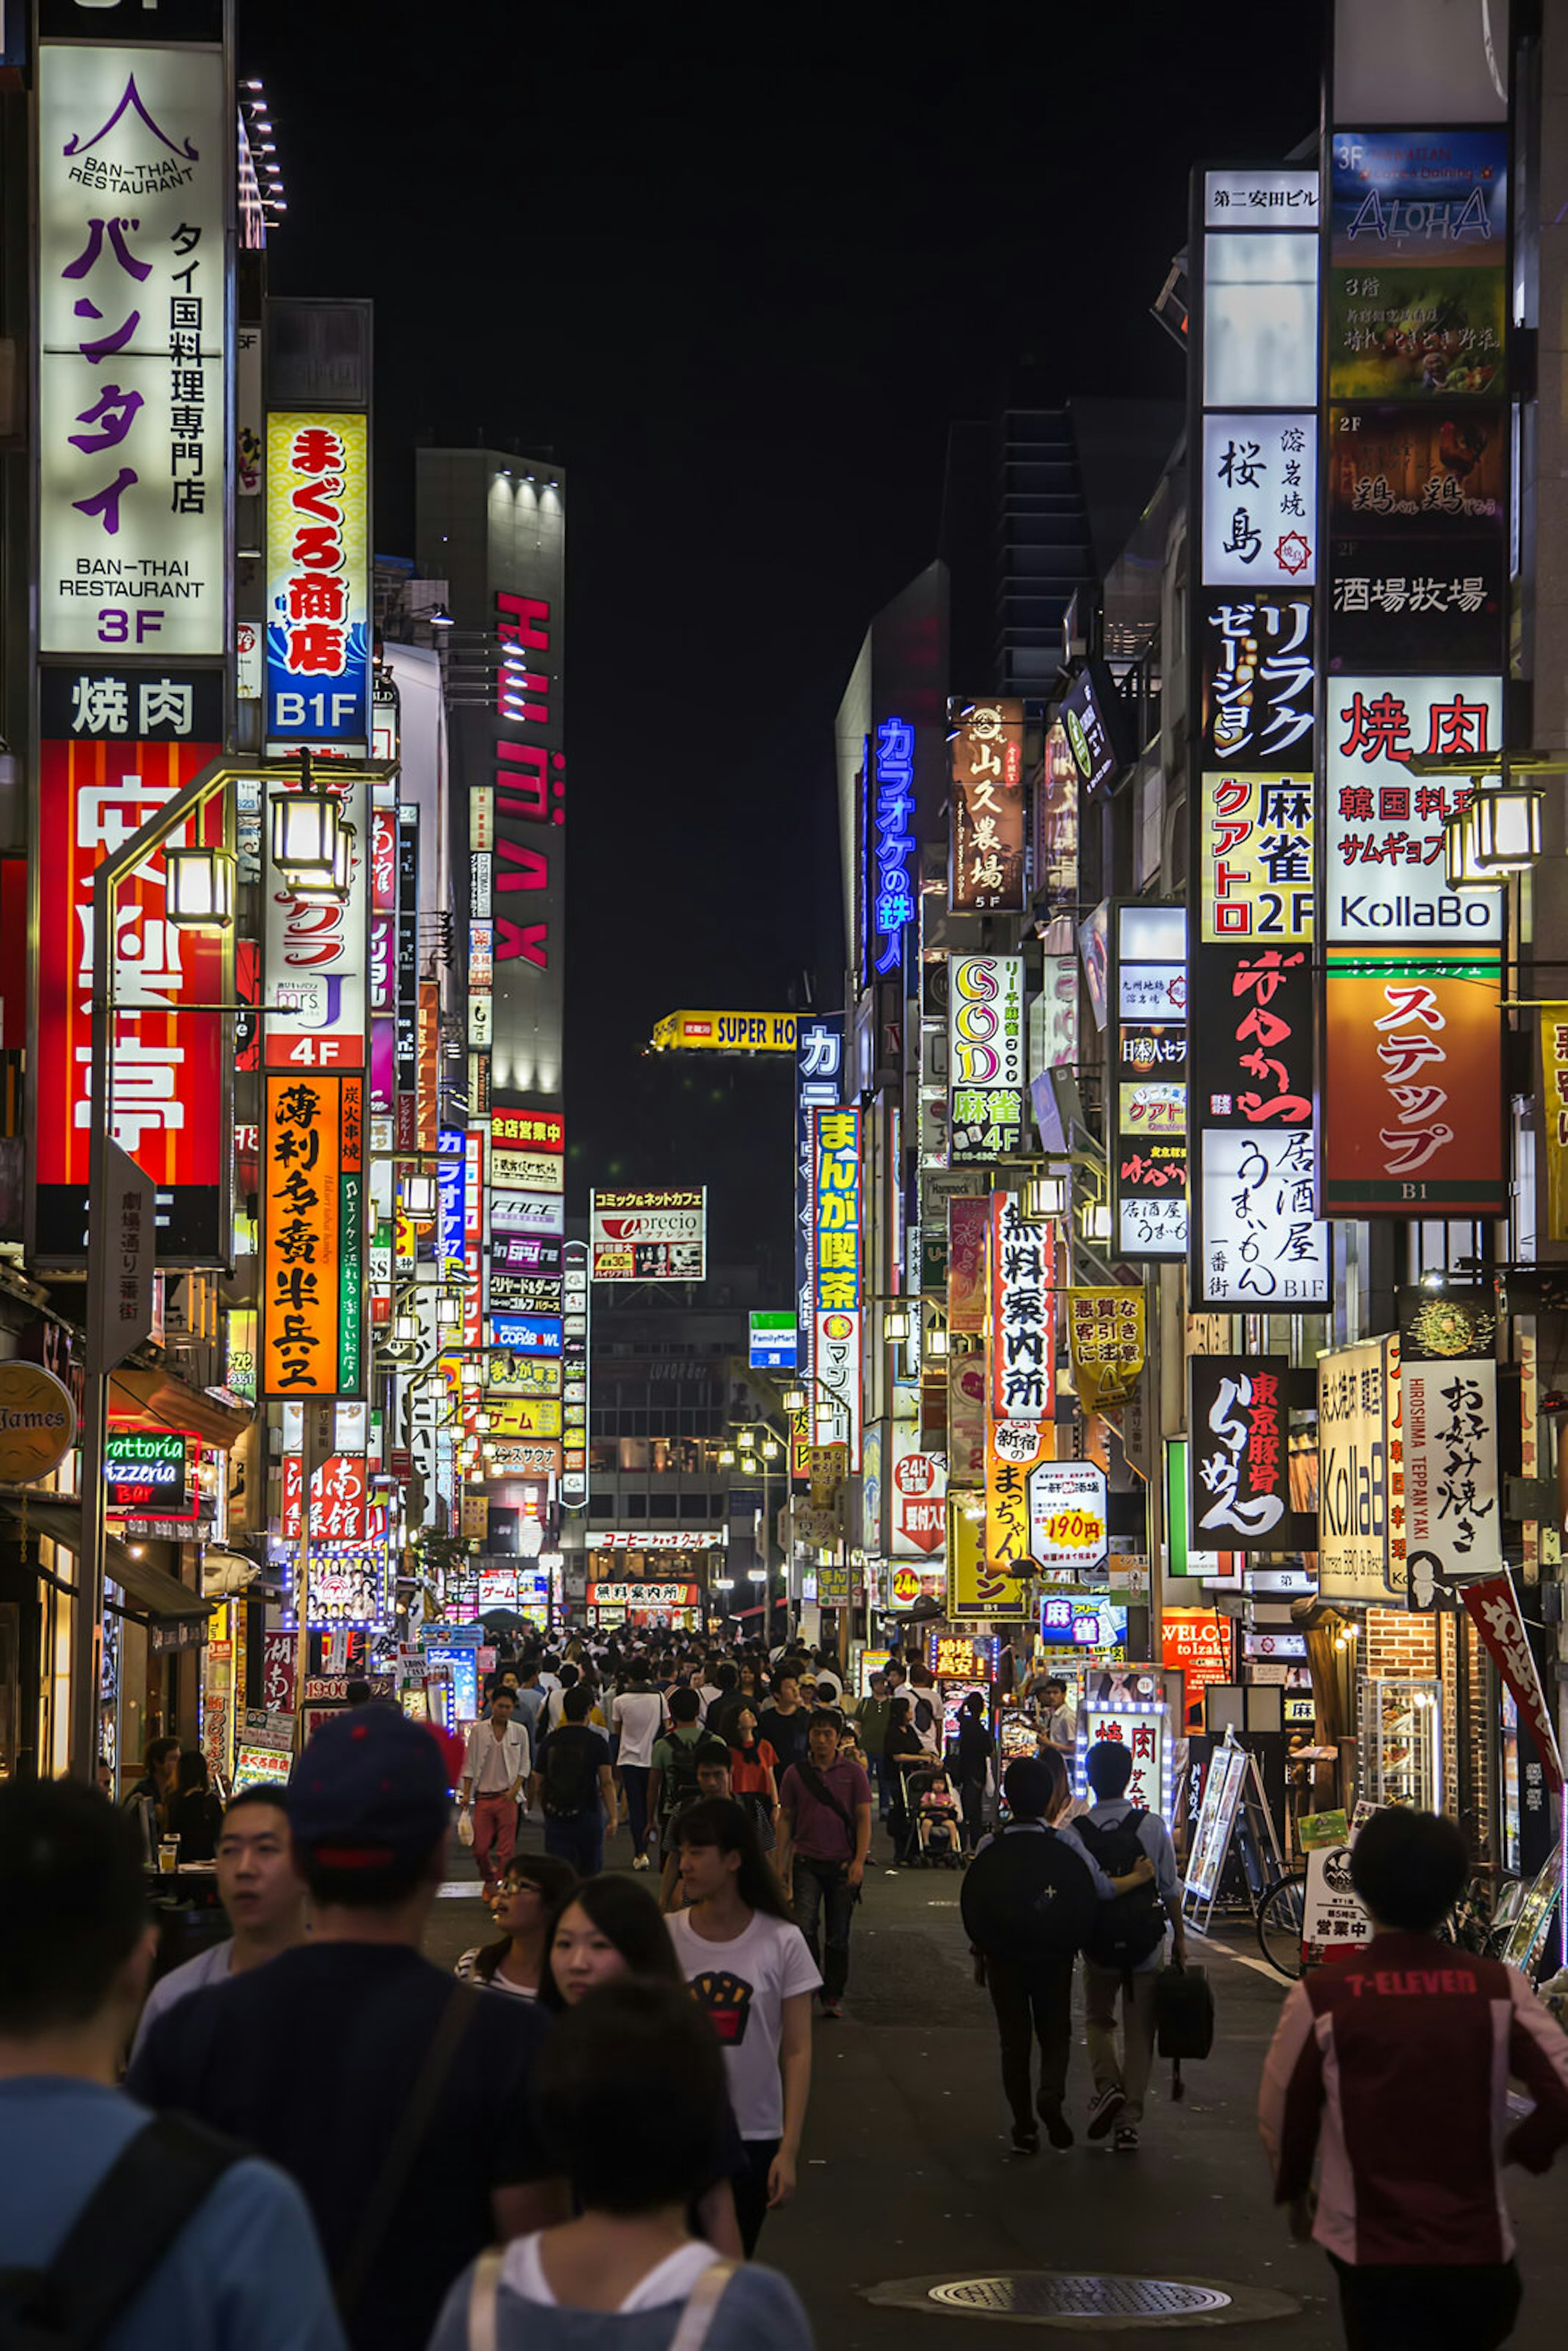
748, 1963
525, 1902
195, 1815
610, 1927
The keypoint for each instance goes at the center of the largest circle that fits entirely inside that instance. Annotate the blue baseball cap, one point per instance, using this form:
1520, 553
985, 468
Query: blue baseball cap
369, 1792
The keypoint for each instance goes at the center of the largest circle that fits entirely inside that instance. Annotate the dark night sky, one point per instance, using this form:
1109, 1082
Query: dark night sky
740, 270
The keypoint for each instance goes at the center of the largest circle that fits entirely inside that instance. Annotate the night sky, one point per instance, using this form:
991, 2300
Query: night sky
738, 271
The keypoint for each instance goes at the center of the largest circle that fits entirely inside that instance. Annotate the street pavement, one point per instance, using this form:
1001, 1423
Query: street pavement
907, 2169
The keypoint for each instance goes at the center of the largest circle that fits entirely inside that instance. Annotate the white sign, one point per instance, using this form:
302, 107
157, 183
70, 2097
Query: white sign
318, 948
1259, 199
985, 1020
1382, 858
919, 1496
1067, 1514
1260, 1238
1360, 1550
1259, 499
133, 296
639, 1539
1142, 1731
643, 1595
540, 1214
1333, 1924
1453, 1512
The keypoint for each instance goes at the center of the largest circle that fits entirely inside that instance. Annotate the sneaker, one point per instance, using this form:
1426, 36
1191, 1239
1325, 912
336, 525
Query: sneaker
832, 2007
1058, 2129
1127, 2139
1107, 2106
640, 1861
1026, 2140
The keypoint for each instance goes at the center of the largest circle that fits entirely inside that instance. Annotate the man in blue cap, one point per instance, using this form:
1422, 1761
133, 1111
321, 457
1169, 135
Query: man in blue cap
399, 2103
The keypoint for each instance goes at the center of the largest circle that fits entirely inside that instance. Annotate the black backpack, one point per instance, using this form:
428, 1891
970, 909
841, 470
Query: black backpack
571, 1778
1028, 1896
1128, 1927
679, 1785
154, 2185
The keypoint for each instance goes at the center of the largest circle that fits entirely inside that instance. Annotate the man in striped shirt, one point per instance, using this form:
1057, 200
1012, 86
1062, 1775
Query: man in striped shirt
1392, 2069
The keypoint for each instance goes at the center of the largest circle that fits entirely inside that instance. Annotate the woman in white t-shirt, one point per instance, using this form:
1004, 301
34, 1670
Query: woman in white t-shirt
629, 2091
748, 1963
527, 1898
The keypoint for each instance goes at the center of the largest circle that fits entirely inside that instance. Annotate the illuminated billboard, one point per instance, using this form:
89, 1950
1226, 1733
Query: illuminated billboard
649, 1236
318, 580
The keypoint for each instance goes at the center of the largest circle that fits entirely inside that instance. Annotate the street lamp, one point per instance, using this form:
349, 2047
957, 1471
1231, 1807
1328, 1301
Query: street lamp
418, 1197
895, 1326
200, 893
794, 1399
305, 828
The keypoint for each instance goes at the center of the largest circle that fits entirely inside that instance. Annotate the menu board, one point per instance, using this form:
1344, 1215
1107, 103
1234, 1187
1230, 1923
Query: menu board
1211, 1839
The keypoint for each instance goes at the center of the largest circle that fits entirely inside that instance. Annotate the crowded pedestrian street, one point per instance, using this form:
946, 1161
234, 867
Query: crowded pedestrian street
783, 1177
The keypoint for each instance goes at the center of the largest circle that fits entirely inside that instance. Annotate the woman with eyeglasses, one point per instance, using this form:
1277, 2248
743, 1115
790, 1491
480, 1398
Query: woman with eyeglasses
525, 1901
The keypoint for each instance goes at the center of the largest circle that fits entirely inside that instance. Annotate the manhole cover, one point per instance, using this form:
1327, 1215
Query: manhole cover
1105, 2302
1040, 2293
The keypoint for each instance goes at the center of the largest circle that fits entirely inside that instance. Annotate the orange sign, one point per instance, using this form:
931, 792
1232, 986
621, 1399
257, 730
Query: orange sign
313, 1209
1413, 1097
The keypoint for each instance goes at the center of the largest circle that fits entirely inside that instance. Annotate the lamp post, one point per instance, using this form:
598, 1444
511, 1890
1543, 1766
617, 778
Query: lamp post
102, 1358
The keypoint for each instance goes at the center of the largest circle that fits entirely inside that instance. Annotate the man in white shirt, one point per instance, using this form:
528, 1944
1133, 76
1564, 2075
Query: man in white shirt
260, 1891
637, 1717
494, 1772
1058, 1723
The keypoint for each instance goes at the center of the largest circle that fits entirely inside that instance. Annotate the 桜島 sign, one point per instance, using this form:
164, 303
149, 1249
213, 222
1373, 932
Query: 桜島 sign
313, 1205
1067, 1514
133, 148
318, 580
1453, 1512
985, 1056
1259, 499
1361, 1486
1023, 1314
984, 743
1239, 1471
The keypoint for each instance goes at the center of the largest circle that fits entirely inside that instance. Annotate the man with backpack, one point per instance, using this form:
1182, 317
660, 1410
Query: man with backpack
574, 1786
1029, 1902
115, 2227
824, 1810
1124, 1949
674, 1780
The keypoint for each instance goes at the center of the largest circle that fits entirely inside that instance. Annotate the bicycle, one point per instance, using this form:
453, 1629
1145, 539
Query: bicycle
1280, 1917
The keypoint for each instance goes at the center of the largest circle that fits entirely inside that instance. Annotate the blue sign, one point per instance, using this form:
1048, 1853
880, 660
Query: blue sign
462, 1664
527, 1334
818, 1075
774, 1342
450, 1175
890, 885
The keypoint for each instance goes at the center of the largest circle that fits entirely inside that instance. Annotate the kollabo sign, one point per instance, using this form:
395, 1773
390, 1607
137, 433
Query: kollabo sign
1361, 1539
38, 1422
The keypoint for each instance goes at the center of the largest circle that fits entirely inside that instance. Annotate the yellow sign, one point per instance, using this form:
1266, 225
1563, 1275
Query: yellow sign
1105, 1333
38, 1422
524, 1416
976, 1586
1013, 1448
726, 1032
1554, 1115
527, 1171
829, 1468
511, 1374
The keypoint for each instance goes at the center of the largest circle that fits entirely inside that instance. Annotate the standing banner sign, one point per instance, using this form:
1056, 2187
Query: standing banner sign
1494, 1605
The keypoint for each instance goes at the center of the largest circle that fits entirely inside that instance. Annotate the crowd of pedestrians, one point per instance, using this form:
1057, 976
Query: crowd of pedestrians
575, 2139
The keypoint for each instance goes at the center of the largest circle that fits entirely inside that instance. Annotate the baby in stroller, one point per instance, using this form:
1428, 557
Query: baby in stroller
938, 1824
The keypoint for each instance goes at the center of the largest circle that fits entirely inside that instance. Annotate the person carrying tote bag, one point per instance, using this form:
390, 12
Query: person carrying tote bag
631, 2086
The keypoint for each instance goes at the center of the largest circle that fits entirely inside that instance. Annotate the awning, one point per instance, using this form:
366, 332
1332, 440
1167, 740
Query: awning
139, 1398
152, 1590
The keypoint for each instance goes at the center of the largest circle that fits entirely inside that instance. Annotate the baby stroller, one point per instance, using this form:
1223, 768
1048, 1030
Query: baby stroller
935, 1823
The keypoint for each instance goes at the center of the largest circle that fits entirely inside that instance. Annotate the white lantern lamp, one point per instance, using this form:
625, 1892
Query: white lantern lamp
200, 895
